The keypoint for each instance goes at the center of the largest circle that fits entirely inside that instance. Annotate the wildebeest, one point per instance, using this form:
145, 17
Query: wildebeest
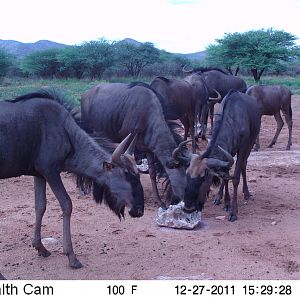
236, 128
114, 110
272, 99
202, 99
178, 102
40, 138
218, 80
184, 99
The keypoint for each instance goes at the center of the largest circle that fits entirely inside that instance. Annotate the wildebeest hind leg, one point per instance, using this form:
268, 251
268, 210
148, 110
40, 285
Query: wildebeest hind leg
280, 123
60, 193
40, 208
289, 122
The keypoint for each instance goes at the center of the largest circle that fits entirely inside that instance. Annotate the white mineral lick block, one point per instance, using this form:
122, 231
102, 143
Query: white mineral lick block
175, 217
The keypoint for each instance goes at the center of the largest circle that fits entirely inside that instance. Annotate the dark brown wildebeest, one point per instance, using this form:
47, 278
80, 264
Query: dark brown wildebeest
184, 100
178, 102
235, 131
202, 99
218, 80
40, 138
272, 99
113, 110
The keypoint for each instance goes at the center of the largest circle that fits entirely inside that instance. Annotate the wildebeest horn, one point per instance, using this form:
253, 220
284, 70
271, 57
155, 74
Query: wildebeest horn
228, 156
176, 152
116, 156
217, 99
131, 147
187, 71
213, 162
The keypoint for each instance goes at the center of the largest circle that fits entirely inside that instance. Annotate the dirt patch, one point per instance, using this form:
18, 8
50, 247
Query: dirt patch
263, 244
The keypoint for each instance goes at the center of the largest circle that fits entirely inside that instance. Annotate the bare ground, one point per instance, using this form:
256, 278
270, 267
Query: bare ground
263, 244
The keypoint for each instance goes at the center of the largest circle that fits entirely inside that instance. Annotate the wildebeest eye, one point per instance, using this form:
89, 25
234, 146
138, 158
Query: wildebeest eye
108, 166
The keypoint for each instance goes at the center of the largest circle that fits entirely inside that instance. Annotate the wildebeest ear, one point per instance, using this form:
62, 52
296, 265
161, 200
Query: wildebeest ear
107, 166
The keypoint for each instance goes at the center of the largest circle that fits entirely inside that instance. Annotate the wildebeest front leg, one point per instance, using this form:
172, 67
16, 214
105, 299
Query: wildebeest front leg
152, 174
218, 199
65, 202
247, 194
40, 208
257, 144
280, 123
234, 207
226, 196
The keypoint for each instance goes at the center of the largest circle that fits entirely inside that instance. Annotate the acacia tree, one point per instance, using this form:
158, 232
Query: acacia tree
42, 63
6, 61
255, 50
135, 57
88, 59
225, 53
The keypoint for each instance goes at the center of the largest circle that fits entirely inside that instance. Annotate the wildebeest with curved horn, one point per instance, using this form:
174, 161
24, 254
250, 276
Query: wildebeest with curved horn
115, 109
218, 80
272, 99
40, 138
236, 128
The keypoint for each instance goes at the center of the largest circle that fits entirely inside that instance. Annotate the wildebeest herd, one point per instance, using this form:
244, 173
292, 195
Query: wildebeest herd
117, 124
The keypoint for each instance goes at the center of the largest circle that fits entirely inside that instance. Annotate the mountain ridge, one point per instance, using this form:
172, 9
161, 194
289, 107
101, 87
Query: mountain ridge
20, 49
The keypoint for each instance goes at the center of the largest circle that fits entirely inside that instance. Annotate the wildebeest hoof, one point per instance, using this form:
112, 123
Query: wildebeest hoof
44, 252
76, 264
232, 218
248, 197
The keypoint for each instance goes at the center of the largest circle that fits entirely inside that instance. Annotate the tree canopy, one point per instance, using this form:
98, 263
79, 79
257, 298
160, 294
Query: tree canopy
6, 61
255, 50
135, 57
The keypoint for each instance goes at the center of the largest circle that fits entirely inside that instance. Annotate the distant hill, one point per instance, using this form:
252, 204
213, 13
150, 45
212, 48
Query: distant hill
193, 56
22, 49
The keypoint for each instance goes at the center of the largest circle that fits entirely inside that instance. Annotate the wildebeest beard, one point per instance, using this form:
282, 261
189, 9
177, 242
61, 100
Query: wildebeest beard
192, 190
103, 193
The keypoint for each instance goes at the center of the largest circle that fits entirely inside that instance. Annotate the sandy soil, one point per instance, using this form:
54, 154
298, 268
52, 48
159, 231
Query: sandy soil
263, 244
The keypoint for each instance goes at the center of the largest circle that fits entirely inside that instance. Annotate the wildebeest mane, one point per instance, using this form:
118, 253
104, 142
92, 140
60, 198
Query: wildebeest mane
218, 123
166, 80
49, 93
207, 69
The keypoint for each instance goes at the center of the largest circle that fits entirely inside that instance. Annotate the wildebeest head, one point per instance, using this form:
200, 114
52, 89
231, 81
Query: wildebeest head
201, 173
121, 185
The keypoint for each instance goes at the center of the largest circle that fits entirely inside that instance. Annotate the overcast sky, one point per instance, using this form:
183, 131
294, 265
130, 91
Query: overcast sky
183, 26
